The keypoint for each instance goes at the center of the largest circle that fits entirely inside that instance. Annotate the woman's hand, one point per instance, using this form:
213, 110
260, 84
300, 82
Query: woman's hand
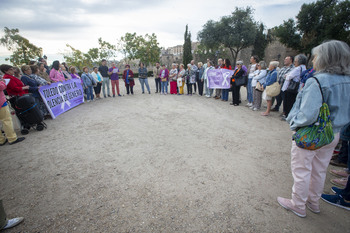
25, 88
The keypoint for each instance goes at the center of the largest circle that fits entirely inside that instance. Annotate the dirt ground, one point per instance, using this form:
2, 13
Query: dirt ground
154, 163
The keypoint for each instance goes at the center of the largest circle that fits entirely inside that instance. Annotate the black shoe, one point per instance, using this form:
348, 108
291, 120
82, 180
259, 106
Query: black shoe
18, 140
105, 96
109, 96
3, 143
274, 110
231, 103
338, 164
113, 96
143, 92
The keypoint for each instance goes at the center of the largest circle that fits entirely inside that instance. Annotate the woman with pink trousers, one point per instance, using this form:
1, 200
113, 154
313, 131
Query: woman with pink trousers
332, 64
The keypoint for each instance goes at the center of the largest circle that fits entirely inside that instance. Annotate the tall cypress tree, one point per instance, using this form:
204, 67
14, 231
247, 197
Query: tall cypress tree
187, 48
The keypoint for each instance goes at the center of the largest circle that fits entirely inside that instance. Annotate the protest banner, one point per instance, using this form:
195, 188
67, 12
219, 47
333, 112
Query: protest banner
219, 78
61, 96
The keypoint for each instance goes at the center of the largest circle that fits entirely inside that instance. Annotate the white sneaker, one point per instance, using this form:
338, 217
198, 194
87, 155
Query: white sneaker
13, 222
255, 109
88, 101
251, 107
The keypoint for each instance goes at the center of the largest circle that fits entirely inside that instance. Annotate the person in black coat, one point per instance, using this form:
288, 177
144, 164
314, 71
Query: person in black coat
239, 72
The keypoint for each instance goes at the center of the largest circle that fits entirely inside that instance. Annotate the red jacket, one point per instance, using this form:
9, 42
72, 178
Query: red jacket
131, 82
14, 87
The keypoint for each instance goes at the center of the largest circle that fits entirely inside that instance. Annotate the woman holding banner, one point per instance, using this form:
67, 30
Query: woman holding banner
224, 92
56, 74
208, 92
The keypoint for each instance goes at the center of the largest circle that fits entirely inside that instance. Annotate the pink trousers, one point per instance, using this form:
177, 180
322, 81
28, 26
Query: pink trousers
309, 170
114, 84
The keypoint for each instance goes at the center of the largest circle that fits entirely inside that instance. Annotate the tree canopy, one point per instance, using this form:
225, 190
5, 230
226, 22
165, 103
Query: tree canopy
235, 32
316, 22
146, 48
22, 50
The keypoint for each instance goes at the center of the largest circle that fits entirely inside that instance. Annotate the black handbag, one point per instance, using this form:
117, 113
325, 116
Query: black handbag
293, 87
241, 81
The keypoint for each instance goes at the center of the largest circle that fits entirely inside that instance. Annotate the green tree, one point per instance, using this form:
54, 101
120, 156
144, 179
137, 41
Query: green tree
316, 22
77, 58
261, 41
187, 47
105, 50
146, 48
235, 32
22, 50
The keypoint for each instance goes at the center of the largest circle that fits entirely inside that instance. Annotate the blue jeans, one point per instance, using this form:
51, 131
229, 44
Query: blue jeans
250, 91
105, 84
89, 93
224, 94
144, 81
164, 86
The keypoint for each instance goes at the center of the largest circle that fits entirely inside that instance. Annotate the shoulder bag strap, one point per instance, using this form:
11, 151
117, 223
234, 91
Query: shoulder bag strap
319, 85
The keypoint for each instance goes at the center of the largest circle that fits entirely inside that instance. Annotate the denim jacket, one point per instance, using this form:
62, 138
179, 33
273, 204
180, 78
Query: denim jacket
336, 91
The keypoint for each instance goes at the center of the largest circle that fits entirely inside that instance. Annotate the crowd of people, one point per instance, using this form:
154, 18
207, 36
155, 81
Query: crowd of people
297, 92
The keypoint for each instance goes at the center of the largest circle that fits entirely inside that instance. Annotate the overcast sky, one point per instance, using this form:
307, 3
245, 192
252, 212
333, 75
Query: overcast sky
53, 24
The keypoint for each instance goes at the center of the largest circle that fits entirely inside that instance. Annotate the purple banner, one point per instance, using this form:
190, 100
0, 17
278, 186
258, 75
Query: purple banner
219, 78
61, 96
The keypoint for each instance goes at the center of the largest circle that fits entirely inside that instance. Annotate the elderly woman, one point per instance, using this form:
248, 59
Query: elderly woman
164, 77
199, 79
181, 75
258, 76
88, 83
188, 76
56, 74
35, 75
65, 72
210, 66
271, 78
332, 65
27, 80
34, 85
289, 96
239, 72
98, 79
43, 73
173, 79
143, 78
128, 77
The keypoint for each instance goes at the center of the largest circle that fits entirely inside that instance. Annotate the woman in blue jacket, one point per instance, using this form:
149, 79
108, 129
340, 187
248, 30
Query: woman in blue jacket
88, 83
271, 78
332, 64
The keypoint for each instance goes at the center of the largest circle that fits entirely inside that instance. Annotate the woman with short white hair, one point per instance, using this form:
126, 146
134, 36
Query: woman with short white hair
173, 79
332, 64
271, 78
